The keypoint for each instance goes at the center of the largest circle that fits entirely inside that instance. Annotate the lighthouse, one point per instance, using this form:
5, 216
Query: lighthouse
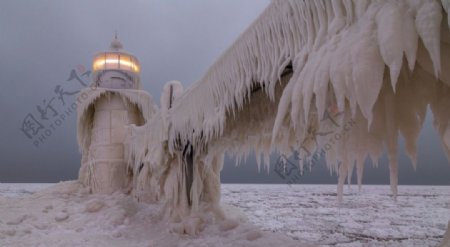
105, 109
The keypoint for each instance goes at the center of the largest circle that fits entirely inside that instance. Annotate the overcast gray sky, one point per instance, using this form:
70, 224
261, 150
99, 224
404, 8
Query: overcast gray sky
41, 42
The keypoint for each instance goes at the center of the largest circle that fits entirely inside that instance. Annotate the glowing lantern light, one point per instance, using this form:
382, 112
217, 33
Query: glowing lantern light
116, 68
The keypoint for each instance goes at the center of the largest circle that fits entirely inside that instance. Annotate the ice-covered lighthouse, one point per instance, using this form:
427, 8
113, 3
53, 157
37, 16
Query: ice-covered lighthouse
112, 102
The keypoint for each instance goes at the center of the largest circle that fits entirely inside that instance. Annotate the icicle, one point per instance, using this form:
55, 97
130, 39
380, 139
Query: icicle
321, 87
410, 37
393, 175
282, 110
359, 173
341, 180
349, 174
369, 69
390, 38
428, 25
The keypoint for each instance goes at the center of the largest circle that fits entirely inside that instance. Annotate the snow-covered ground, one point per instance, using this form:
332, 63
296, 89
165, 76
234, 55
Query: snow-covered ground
21, 189
66, 215
370, 218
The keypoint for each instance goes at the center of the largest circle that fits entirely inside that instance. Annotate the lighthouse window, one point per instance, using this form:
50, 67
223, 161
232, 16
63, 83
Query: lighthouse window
115, 61
99, 62
112, 61
125, 62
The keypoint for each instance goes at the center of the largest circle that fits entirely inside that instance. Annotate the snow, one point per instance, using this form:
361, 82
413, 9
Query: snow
372, 217
65, 214
21, 189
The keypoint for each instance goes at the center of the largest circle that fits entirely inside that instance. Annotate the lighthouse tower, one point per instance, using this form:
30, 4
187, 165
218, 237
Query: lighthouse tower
114, 101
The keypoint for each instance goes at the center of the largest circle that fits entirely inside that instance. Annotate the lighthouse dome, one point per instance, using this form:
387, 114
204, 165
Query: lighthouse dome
116, 68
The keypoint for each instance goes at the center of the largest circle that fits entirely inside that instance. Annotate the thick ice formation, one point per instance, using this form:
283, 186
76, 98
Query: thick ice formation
102, 117
359, 61
342, 78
